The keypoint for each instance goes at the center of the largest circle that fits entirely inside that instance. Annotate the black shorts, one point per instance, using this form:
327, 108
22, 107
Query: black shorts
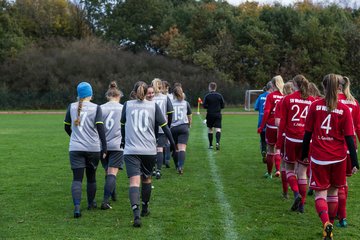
180, 133
162, 140
80, 159
113, 159
213, 120
139, 165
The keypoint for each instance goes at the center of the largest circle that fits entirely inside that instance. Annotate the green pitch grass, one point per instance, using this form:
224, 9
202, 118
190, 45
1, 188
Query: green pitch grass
222, 195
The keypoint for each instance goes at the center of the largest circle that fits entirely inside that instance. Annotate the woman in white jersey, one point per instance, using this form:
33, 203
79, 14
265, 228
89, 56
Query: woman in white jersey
181, 122
166, 109
140, 118
83, 123
111, 114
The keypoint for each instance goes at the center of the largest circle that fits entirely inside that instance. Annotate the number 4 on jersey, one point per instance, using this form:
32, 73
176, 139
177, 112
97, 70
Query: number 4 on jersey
326, 124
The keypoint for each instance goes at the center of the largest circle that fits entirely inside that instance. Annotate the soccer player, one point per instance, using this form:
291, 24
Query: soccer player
329, 126
269, 120
180, 126
213, 103
150, 93
294, 110
140, 119
259, 106
167, 110
83, 123
346, 98
111, 114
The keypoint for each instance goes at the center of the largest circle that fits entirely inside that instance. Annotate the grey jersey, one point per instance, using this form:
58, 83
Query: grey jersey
181, 111
165, 106
85, 136
111, 114
140, 118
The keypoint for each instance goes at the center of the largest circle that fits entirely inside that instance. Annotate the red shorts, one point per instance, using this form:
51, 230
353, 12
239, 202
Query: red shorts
348, 166
271, 136
293, 152
324, 176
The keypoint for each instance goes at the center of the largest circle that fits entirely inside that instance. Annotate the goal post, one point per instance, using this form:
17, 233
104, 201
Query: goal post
250, 98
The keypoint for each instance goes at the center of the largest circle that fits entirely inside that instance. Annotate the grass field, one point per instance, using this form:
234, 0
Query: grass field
221, 195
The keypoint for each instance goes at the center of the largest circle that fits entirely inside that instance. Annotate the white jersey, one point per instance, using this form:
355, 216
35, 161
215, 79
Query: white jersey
111, 114
181, 111
165, 106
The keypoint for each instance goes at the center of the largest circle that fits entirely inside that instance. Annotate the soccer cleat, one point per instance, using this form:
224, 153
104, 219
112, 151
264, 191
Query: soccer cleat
145, 211
310, 192
92, 205
105, 206
77, 212
301, 208
296, 203
277, 174
342, 223
114, 196
211, 147
181, 171
137, 222
268, 175
154, 173
327, 233
285, 195
217, 146
158, 174
263, 153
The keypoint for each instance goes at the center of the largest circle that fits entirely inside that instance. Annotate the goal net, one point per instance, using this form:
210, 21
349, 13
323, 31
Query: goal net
250, 98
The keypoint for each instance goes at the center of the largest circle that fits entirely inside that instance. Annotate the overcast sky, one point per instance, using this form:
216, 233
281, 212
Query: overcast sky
349, 3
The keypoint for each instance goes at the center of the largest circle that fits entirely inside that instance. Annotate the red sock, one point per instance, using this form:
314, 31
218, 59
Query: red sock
322, 209
342, 203
302, 183
332, 202
269, 162
284, 181
346, 191
277, 159
291, 178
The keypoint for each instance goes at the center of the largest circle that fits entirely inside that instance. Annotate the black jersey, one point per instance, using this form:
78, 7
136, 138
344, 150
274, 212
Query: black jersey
213, 102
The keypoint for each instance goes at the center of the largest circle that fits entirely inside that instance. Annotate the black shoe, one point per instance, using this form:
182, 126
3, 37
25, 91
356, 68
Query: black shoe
158, 174
77, 212
217, 146
137, 222
145, 211
296, 203
114, 196
92, 205
105, 206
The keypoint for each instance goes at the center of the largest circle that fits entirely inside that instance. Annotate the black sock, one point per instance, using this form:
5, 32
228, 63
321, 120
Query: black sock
218, 135
134, 196
159, 160
210, 136
91, 191
167, 154
181, 158
109, 186
76, 192
176, 159
145, 193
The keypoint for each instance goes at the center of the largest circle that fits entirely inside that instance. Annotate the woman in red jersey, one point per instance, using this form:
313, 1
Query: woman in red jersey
279, 163
328, 126
294, 111
346, 98
271, 129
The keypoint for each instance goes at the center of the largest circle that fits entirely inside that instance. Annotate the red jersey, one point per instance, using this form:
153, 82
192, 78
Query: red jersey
354, 110
293, 116
269, 110
328, 131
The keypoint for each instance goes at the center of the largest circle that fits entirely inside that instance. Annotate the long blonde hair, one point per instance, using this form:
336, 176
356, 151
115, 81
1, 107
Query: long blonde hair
178, 93
331, 84
139, 91
346, 89
303, 84
77, 120
278, 83
157, 84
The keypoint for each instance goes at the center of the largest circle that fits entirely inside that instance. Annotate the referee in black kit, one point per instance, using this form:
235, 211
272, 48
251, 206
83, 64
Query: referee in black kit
213, 102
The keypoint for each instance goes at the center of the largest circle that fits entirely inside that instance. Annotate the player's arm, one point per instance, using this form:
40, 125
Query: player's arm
267, 110
257, 103
349, 139
222, 102
205, 102
101, 131
189, 113
122, 123
309, 128
169, 111
67, 122
357, 121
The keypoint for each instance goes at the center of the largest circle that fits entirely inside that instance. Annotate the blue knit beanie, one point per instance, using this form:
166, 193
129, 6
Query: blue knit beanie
84, 90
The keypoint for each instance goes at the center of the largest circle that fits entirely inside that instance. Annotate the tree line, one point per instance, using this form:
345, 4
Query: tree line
48, 46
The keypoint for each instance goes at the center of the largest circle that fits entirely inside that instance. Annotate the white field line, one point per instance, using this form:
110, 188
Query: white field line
229, 228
